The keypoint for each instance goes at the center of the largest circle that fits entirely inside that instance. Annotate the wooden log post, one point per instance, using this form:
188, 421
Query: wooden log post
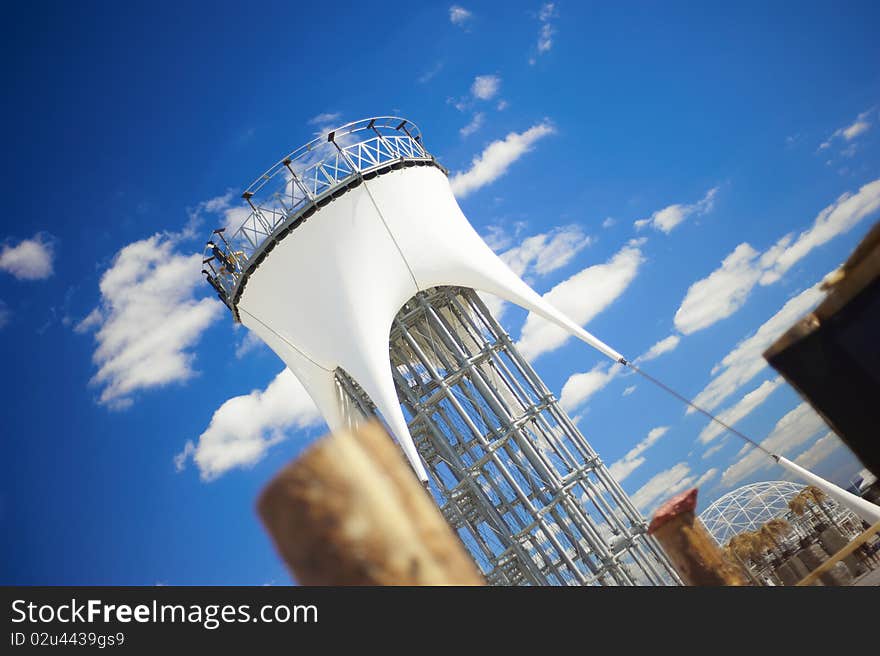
350, 511
693, 552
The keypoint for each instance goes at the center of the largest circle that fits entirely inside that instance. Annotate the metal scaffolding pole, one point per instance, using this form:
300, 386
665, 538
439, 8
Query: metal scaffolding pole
529, 497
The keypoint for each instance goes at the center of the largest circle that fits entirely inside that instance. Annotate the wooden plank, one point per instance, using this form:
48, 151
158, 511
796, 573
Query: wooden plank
350, 511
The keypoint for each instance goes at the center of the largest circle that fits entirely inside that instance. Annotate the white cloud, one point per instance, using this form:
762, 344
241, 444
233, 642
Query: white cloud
92, 319
244, 427
248, 343
725, 290
149, 319
633, 459
547, 11
485, 87
217, 204
230, 215
325, 122
795, 428
622, 468
712, 450
741, 409
502, 105
663, 346
629, 390
581, 297
547, 30
824, 447
325, 118
580, 387
498, 238
653, 435
546, 252
475, 124
663, 485
181, 458
854, 130
460, 104
497, 157
721, 293
29, 259
669, 217
851, 131
608, 222
431, 73
545, 38
746, 360
849, 151
707, 476
459, 15
838, 218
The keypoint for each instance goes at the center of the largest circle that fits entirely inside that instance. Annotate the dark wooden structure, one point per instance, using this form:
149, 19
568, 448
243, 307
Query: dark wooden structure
832, 356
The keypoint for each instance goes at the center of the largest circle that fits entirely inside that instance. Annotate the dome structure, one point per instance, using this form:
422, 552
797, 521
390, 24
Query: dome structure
748, 507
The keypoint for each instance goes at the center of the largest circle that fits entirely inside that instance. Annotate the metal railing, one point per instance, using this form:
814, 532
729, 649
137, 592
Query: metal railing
303, 181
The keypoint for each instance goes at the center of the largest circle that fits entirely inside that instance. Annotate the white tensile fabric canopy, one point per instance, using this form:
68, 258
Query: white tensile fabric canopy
327, 295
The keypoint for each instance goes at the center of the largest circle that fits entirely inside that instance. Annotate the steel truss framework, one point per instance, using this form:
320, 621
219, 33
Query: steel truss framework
527, 494
311, 176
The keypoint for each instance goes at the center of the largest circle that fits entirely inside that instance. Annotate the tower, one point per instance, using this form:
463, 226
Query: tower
358, 268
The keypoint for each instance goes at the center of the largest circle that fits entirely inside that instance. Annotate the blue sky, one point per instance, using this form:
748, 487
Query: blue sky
677, 178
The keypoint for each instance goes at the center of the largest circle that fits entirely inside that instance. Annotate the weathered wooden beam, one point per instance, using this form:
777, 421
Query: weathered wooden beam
857, 542
350, 511
694, 553
832, 356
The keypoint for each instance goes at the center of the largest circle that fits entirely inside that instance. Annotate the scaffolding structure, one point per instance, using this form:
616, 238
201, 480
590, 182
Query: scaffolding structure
527, 494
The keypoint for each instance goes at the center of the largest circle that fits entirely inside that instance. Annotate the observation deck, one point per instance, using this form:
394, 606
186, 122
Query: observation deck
301, 183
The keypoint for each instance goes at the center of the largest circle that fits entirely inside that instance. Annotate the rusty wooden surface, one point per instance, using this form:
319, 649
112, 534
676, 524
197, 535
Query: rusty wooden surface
693, 552
350, 511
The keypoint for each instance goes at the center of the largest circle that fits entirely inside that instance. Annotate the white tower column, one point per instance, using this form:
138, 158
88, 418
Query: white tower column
359, 269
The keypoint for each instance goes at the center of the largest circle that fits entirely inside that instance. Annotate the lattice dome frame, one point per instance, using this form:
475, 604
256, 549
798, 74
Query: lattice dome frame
748, 507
